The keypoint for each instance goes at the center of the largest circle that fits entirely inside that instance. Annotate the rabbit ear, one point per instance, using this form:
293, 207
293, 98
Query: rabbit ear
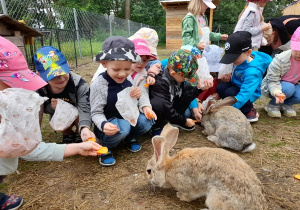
171, 134
210, 105
158, 145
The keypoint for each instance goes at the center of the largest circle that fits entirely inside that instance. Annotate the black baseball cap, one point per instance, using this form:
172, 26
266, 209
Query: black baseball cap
236, 44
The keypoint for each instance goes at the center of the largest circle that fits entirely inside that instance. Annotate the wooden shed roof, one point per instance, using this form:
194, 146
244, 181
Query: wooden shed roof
13, 24
181, 2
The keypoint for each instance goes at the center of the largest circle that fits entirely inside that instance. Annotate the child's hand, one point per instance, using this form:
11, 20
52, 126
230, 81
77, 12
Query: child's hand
280, 97
226, 77
155, 69
53, 103
136, 93
189, 122
150, 80
216, 96
86, 133
87, 148
200, 107
149, 113
201, 45
207, 84
110, 129
266, 27
197, 114
224, 37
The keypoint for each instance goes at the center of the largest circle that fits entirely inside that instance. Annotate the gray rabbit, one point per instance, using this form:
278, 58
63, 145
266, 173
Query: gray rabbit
227, 126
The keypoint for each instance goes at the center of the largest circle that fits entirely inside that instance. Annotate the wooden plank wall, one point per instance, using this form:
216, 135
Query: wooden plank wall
292, 10
174, 16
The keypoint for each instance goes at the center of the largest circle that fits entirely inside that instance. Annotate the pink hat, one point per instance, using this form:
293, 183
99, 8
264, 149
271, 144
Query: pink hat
295, 40
14, 70
142, 48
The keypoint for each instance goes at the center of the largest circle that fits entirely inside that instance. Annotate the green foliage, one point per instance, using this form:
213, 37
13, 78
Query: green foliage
227, 13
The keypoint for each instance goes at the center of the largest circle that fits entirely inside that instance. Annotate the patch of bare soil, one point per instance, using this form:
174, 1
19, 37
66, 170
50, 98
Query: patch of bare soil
81, 183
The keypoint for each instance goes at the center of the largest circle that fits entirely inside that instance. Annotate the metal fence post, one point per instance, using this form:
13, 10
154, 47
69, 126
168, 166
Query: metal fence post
4, 7
128, 28
74, 40
110, 28
77, 32
141, 25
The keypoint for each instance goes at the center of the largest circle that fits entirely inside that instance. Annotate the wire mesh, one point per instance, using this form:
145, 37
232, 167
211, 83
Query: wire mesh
58, 26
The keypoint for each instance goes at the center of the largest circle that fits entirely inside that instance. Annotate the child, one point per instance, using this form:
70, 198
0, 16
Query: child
15, 73
194, 25
110, 127
52, 66
249, 68
251, 20
169, 97
281, 83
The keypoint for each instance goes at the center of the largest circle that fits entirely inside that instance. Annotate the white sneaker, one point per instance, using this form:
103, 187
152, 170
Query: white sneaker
273, 110
288, 110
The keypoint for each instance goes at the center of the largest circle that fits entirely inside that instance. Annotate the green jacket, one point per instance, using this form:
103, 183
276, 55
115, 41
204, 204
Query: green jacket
190, 31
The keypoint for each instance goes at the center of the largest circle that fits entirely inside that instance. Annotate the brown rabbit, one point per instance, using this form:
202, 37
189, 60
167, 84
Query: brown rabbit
223, 177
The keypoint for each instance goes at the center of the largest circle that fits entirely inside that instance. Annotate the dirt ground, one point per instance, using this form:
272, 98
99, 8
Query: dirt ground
81, 183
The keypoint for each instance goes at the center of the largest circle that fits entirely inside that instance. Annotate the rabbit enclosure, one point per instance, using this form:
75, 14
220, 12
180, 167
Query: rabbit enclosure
81, 183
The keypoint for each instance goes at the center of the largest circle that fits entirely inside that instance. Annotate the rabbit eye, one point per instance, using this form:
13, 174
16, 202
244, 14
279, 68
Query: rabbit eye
149, 171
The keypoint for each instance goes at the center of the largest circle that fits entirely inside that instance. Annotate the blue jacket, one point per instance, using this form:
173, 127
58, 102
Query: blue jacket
248, 77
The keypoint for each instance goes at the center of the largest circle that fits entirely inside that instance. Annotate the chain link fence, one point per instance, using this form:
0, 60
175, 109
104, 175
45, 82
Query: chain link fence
78, 34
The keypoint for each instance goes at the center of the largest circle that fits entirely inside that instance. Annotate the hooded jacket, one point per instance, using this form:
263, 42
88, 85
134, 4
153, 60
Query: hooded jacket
248, 77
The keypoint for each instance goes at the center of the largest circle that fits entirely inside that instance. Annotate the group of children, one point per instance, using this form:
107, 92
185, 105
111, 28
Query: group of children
165, 90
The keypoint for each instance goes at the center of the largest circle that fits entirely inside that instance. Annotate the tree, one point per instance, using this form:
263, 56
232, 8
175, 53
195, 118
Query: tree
127, 9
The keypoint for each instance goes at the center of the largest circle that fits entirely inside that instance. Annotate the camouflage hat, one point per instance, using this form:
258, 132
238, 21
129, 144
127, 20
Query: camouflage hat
184, 63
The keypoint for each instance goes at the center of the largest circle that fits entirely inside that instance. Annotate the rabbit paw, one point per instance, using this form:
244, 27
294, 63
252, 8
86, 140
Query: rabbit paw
214, 139
184, 196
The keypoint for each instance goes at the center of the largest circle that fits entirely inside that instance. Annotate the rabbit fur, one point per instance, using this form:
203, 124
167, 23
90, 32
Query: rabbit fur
227, 126
226, 180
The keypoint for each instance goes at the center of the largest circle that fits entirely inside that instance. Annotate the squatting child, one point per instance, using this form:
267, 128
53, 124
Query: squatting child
110, 127
281, 83
52, 66
247, 75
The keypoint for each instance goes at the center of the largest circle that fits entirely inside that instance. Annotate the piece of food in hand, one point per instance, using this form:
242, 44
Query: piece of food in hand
151, 116
102, 151
92, 139
281, 98
146, 85
195, 121
297, 176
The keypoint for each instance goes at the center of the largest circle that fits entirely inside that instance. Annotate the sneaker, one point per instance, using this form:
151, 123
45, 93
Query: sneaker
10, 202
77, 138
67, 139
155, 131
288, 110
186, 128
252, 116
133, 145
273, 110
107, 159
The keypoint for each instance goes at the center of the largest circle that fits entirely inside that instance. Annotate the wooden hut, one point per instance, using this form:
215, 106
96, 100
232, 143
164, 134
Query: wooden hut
292, 9
175, 12
17, 32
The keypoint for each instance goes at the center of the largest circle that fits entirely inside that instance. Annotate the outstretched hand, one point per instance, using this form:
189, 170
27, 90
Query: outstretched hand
280, 97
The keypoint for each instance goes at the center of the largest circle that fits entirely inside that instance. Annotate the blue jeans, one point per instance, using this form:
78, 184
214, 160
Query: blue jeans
225, 89
291, 91
126, 131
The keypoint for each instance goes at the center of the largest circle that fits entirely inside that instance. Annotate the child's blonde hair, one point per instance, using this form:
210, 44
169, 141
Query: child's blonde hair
195, 8
268, 35
258, 7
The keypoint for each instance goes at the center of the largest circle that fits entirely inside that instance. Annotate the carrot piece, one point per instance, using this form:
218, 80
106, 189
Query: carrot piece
151, 116
195, 121
297, 176
102, 151
92, 139
146, 85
